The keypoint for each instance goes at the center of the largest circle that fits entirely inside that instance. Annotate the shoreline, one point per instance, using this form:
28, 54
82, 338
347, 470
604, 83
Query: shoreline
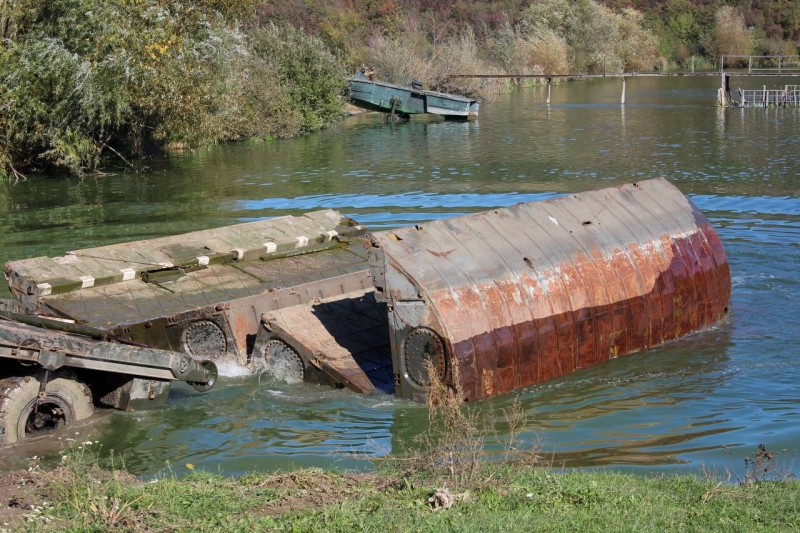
81, 496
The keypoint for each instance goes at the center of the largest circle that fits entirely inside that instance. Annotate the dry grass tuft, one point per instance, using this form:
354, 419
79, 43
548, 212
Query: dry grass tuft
453, 448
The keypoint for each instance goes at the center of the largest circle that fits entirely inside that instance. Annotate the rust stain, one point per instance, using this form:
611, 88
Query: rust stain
538, 300
440, 254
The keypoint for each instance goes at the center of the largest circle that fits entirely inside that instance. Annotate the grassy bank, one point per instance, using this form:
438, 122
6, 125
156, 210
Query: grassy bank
449, 482
83, 498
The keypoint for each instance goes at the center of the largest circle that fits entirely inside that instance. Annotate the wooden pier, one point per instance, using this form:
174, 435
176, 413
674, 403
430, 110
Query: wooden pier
729, 67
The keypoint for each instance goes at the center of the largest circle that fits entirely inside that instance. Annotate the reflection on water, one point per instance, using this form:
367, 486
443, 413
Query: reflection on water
711, 398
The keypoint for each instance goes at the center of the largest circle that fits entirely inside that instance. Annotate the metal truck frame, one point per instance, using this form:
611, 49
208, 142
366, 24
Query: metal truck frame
50, 371
123, 321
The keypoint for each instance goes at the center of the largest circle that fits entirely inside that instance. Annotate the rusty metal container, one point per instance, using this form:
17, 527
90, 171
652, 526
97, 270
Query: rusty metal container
519, 295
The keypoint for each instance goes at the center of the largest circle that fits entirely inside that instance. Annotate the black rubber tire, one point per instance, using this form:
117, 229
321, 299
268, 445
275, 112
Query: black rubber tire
67, 401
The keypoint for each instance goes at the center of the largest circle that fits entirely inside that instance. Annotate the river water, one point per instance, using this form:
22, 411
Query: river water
704, 402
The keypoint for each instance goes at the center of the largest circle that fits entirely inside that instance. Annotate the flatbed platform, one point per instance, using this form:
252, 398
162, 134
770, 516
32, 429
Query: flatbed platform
203, 292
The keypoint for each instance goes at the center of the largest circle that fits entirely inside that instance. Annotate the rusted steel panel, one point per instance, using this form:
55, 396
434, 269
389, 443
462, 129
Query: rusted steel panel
534, 291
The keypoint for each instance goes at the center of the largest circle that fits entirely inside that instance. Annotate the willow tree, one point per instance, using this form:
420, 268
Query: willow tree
730, 35
80, 79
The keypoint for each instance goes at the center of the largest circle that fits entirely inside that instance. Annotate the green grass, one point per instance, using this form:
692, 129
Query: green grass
517, 492
501, 499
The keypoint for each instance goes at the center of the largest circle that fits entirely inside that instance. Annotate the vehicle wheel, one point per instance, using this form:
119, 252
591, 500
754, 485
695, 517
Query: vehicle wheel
67, 401
283, 362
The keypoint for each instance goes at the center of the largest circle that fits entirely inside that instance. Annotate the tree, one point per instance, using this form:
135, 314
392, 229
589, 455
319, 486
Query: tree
730, 36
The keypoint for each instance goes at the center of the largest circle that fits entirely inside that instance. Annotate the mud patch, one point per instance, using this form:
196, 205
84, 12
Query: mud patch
314, 489
18, 497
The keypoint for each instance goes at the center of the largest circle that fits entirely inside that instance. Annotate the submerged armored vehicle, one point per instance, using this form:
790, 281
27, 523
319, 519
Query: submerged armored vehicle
491, 302
123, 321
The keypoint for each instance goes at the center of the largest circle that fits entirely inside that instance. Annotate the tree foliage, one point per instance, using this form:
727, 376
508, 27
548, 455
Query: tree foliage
84, 79
310, 74
682, 28
730, 35
598, 39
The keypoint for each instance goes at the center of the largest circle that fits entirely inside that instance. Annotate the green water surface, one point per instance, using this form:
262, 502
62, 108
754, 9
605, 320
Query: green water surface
705, 401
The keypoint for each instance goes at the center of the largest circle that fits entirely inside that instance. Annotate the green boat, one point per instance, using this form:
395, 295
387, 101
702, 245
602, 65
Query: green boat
403, 101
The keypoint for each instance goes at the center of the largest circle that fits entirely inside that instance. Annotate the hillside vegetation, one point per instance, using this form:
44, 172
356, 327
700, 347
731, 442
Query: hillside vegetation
681, 28
88, 84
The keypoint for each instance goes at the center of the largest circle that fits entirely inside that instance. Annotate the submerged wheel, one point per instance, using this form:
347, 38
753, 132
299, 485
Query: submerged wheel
203, 339
66, 401
423, 345
283, 362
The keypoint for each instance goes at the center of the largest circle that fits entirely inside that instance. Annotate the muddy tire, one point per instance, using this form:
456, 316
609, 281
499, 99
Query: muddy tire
67, 401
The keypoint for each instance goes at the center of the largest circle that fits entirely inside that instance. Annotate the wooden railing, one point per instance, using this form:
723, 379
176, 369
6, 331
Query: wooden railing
786, 97
762, 64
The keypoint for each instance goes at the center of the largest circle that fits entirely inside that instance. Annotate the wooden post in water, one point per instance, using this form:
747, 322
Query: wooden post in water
623, 91
549, 80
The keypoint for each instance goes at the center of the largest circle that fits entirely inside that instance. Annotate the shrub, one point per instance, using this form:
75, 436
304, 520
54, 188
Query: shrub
81, 78
306, 71
730, 35
542, 53
84, 79
423, 53
597, 38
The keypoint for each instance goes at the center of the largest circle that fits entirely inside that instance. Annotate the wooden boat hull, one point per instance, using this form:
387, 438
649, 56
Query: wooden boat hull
389, 97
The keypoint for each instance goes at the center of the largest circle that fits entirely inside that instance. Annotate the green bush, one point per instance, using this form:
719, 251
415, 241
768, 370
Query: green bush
82, 80
310, 75
81, 77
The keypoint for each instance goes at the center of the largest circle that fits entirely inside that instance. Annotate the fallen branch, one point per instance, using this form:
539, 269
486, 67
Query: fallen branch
18, 175
710, 493
119, 154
